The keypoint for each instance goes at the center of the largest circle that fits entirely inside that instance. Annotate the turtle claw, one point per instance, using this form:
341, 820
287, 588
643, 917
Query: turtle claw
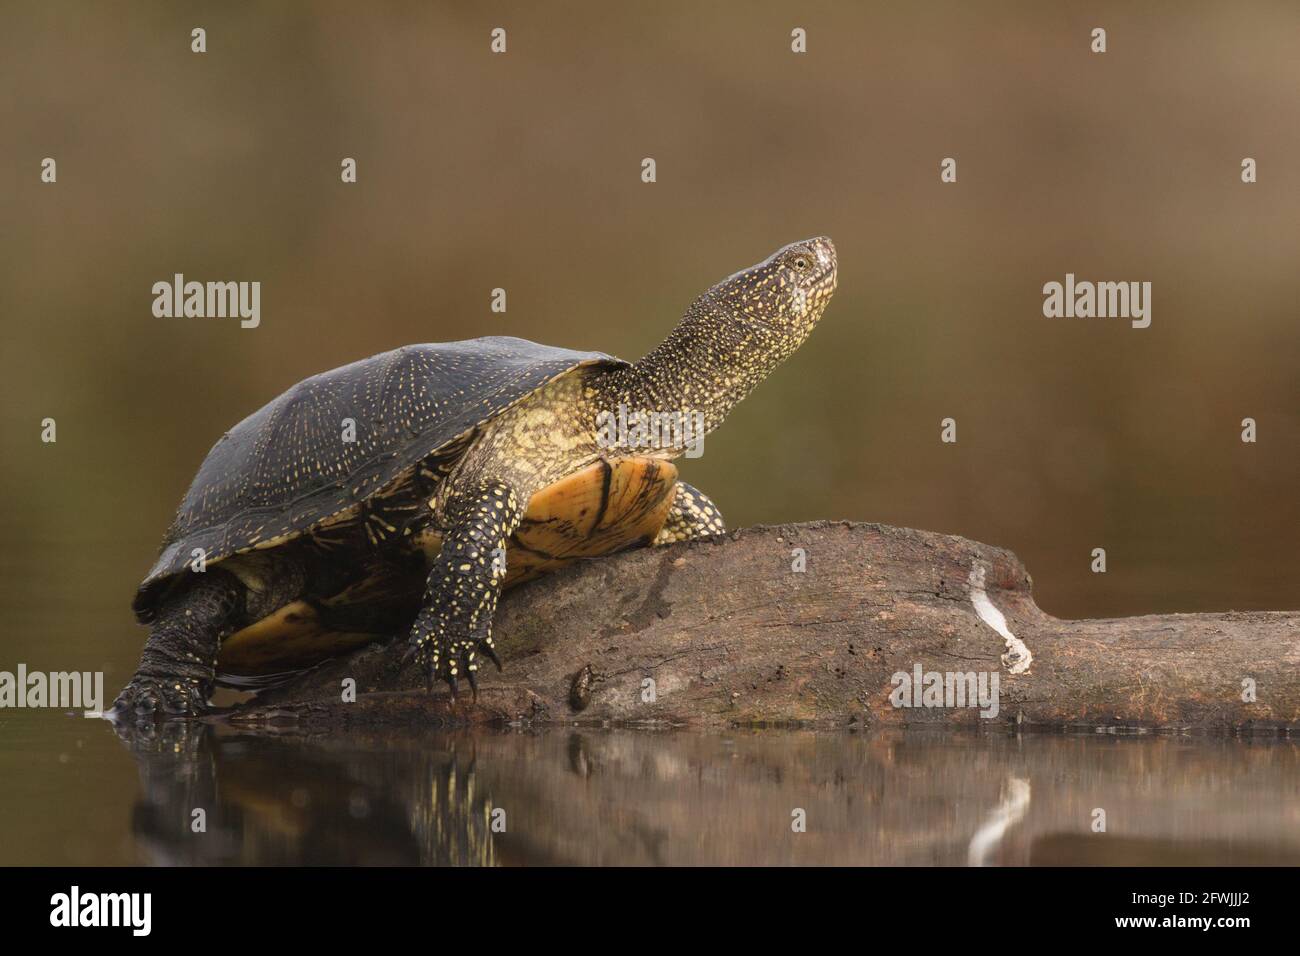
446, 650
152, 698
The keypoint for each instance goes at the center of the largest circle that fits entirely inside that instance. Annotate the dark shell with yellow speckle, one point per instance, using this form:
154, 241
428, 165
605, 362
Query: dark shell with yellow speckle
287, 467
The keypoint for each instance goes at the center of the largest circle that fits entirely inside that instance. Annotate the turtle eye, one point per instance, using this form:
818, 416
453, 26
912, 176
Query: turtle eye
801, 262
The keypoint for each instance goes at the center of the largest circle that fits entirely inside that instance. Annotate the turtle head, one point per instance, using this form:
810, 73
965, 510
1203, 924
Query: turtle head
780, 299
735, 334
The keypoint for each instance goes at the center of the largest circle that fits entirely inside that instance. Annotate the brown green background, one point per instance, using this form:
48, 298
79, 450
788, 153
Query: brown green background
522, 171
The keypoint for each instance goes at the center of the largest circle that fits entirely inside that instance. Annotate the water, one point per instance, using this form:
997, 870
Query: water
73, 793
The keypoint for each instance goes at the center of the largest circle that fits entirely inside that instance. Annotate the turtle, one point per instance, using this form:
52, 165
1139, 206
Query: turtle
404, 492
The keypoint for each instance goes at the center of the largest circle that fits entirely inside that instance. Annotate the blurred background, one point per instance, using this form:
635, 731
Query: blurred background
523, 171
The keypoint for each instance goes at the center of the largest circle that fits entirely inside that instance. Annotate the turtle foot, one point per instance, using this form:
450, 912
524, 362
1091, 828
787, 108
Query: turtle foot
159, 698
447, 649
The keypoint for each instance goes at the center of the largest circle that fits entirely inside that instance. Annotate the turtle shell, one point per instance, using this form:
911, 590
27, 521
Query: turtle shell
285, 468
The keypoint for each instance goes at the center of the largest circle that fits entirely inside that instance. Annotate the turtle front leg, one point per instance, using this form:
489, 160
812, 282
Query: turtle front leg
692, 515
460, 597
178, 664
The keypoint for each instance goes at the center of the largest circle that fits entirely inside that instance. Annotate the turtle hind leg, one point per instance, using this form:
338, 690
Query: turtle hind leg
693, 515
177, 666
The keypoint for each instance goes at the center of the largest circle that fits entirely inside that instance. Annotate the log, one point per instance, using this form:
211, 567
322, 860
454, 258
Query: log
725, 632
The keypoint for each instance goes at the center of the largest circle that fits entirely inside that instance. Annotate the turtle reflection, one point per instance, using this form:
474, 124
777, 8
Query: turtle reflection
210, 796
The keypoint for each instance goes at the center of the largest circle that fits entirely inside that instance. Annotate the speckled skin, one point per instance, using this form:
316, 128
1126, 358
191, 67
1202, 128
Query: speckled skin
461, 438
693, 516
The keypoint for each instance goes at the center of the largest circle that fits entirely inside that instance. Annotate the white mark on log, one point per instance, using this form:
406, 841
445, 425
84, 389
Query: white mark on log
1017, 658
1008, 812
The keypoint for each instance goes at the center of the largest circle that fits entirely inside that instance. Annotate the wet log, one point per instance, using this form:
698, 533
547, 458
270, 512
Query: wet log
828, 624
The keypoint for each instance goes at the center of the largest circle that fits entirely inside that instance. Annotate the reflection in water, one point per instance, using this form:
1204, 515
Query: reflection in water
1009, 811
615, 797
270, 801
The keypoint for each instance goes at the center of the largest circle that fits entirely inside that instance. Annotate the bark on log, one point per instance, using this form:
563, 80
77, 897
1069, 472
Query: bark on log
732, 636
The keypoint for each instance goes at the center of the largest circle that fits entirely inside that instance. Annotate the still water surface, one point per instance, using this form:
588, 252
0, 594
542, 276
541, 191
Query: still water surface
72, 792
